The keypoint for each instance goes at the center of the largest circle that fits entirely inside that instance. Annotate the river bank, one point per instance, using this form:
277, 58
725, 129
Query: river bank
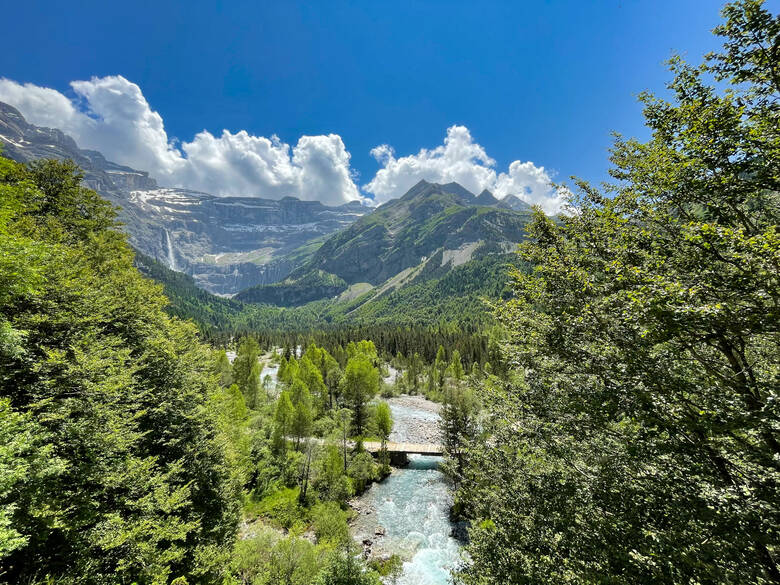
415, 419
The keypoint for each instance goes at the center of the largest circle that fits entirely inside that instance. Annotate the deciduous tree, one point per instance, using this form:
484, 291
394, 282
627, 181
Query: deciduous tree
638, 441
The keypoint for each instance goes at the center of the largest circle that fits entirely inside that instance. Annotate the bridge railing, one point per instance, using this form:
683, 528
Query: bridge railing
410, 448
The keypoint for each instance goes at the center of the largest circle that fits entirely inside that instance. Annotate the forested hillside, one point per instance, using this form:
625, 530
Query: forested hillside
460, 298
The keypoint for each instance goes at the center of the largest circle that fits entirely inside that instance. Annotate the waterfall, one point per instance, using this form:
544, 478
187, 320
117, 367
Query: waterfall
171, 255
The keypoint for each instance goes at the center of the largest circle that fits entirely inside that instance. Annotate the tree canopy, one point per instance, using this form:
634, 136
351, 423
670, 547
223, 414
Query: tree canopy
637, 441
111, 464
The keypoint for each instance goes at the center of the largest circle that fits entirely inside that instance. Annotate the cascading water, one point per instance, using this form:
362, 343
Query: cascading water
171, 255
411, 507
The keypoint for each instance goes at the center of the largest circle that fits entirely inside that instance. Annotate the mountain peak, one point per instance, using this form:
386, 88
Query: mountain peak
460, 190
486, 198
514, 203
11, 112
423, 188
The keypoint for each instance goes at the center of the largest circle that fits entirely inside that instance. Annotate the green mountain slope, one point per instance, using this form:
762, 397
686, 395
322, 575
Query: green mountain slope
187, 301
430, 231
458, 298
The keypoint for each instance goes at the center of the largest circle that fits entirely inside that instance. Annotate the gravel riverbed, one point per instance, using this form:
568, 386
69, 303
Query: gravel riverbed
415, 419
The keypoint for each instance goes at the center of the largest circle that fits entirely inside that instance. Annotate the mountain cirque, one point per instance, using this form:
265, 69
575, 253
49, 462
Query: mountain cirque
231, 243
226, 243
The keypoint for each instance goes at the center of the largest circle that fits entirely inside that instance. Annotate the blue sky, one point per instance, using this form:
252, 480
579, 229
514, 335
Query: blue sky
531, 81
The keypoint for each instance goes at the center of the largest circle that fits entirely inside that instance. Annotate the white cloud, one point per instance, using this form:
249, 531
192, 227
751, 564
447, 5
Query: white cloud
111, 114
462, 160
532, 184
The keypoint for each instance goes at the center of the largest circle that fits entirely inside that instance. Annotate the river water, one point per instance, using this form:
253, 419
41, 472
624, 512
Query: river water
411, 506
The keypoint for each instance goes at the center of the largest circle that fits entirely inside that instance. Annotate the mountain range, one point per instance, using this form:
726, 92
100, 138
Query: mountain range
225, 243
428, 252
424, 234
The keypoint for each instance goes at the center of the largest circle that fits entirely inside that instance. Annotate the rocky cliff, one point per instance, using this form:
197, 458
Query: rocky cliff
231, 243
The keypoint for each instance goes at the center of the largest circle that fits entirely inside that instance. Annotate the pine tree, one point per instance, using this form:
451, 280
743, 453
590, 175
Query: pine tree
456, 366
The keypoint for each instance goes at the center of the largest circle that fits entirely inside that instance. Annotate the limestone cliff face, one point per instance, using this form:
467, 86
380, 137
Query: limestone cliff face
231, 243
226, 243
24, 142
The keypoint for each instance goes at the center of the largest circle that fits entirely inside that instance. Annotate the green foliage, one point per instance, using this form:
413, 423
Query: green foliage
27, 464
282, 507
345, 569
295, 291
343, 418
223, 369
638, 442
390, 568
364, 347
384, 420
251, 556
265, 558
294, 561
302, 415
359, 385
283, 421
247, 370
384, 424
330, 523
114, 468
331, 482
456, 366
235, 436
187, 301
312, 376
254, 393
459, 426
362, 471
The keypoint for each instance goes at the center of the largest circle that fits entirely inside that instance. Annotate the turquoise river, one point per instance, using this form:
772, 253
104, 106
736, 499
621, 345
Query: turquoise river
408, 513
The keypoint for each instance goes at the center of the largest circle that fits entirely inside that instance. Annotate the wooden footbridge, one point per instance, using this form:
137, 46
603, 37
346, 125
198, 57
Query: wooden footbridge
403, 449
399, 452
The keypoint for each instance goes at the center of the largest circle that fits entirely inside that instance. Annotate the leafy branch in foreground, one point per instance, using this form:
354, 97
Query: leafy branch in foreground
111, 466
638, 441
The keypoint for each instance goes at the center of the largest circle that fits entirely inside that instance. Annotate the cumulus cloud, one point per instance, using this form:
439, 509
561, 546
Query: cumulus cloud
532, 184
462, 160
111, 114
